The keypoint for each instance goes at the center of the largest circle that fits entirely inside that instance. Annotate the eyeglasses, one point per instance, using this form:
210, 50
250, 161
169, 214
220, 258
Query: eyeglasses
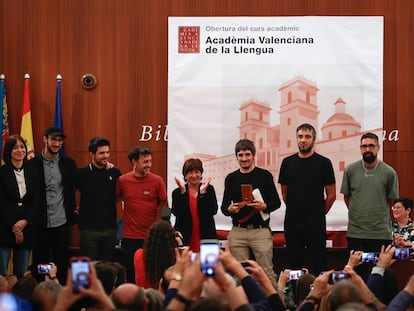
370, 146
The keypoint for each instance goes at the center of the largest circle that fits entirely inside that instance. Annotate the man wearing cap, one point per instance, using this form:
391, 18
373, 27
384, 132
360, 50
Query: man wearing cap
57, 206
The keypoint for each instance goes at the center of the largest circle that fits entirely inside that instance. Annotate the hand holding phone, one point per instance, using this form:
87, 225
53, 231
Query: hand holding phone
209, 254
80, 273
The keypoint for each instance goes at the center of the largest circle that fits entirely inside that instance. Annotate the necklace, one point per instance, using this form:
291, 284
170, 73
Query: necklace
369, 172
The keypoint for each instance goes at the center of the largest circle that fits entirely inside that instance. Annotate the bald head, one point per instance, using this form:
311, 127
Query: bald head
128, 296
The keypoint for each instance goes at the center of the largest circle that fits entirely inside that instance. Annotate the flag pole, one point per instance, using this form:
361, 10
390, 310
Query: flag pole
58, 120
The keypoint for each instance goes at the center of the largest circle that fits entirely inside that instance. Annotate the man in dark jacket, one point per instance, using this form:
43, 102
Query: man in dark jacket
57, 203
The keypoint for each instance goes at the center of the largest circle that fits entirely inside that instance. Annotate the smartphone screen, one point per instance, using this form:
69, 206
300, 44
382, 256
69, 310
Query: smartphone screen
209, 253
80, 273
337, 276
403, 253
369, 257
43, 268
295, 274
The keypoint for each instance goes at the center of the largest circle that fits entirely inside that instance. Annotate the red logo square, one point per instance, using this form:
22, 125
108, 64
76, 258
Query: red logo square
189, 39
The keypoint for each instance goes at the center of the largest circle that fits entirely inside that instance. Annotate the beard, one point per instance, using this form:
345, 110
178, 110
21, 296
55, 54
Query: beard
369, 157
51, 151
307, 150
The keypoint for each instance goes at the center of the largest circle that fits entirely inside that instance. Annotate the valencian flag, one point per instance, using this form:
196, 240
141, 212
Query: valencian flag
4, 116
26, 130
58, 121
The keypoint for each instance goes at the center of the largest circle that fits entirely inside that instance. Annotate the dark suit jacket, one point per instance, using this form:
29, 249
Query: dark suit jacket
68, 169
207, 208
12, 208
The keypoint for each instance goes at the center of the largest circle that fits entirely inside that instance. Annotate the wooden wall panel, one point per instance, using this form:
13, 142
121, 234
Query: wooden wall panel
124, 43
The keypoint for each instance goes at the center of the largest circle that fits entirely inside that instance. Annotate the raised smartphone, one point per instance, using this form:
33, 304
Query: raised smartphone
403, 253
43, 268
295, 274
209, 253
369, 257
80, 272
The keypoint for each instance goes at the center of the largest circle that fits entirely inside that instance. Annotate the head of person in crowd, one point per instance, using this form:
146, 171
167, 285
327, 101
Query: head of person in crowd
401, 210
24, 288
107, 273
369, 147
193, 171
305, 137
303, 285
213, 292
45, 295
98, 148
155, 300
159, 251
354, 306
208, 304
53, 139
141, 160
14, 150
343, 292
129, 296
120, 274
4, 285
245, 154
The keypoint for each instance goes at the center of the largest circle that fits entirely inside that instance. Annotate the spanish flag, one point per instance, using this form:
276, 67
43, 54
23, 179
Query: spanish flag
26, 130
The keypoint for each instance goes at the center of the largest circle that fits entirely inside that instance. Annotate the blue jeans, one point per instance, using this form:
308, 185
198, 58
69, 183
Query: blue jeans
20, 260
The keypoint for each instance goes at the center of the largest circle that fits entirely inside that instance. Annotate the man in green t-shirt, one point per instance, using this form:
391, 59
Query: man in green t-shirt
369, 186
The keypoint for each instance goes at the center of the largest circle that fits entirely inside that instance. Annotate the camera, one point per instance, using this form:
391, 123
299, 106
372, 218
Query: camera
80, 272
209, 253
403, 254
295, 274
337, 276
369, 257
43, 268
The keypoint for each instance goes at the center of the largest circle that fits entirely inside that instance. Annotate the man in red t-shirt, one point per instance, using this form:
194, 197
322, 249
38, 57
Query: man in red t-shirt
144, 195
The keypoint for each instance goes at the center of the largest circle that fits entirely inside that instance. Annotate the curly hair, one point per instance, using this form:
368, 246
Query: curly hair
159, 251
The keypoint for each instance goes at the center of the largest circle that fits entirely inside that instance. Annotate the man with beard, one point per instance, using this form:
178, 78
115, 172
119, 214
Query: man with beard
369, 186
144, 195
57, 207
308, 187
96, 183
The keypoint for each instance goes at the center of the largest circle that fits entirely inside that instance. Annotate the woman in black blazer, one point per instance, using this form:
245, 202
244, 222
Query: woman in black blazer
18, 205
194, 205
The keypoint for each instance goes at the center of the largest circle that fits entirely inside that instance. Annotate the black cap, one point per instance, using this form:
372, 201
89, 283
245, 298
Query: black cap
55, 131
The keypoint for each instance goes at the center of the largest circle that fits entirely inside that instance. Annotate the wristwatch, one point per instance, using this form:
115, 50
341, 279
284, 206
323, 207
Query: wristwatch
176, 276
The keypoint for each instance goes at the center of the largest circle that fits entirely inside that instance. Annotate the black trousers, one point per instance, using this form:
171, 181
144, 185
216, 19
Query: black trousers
306, 243
53, 246
129, 247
